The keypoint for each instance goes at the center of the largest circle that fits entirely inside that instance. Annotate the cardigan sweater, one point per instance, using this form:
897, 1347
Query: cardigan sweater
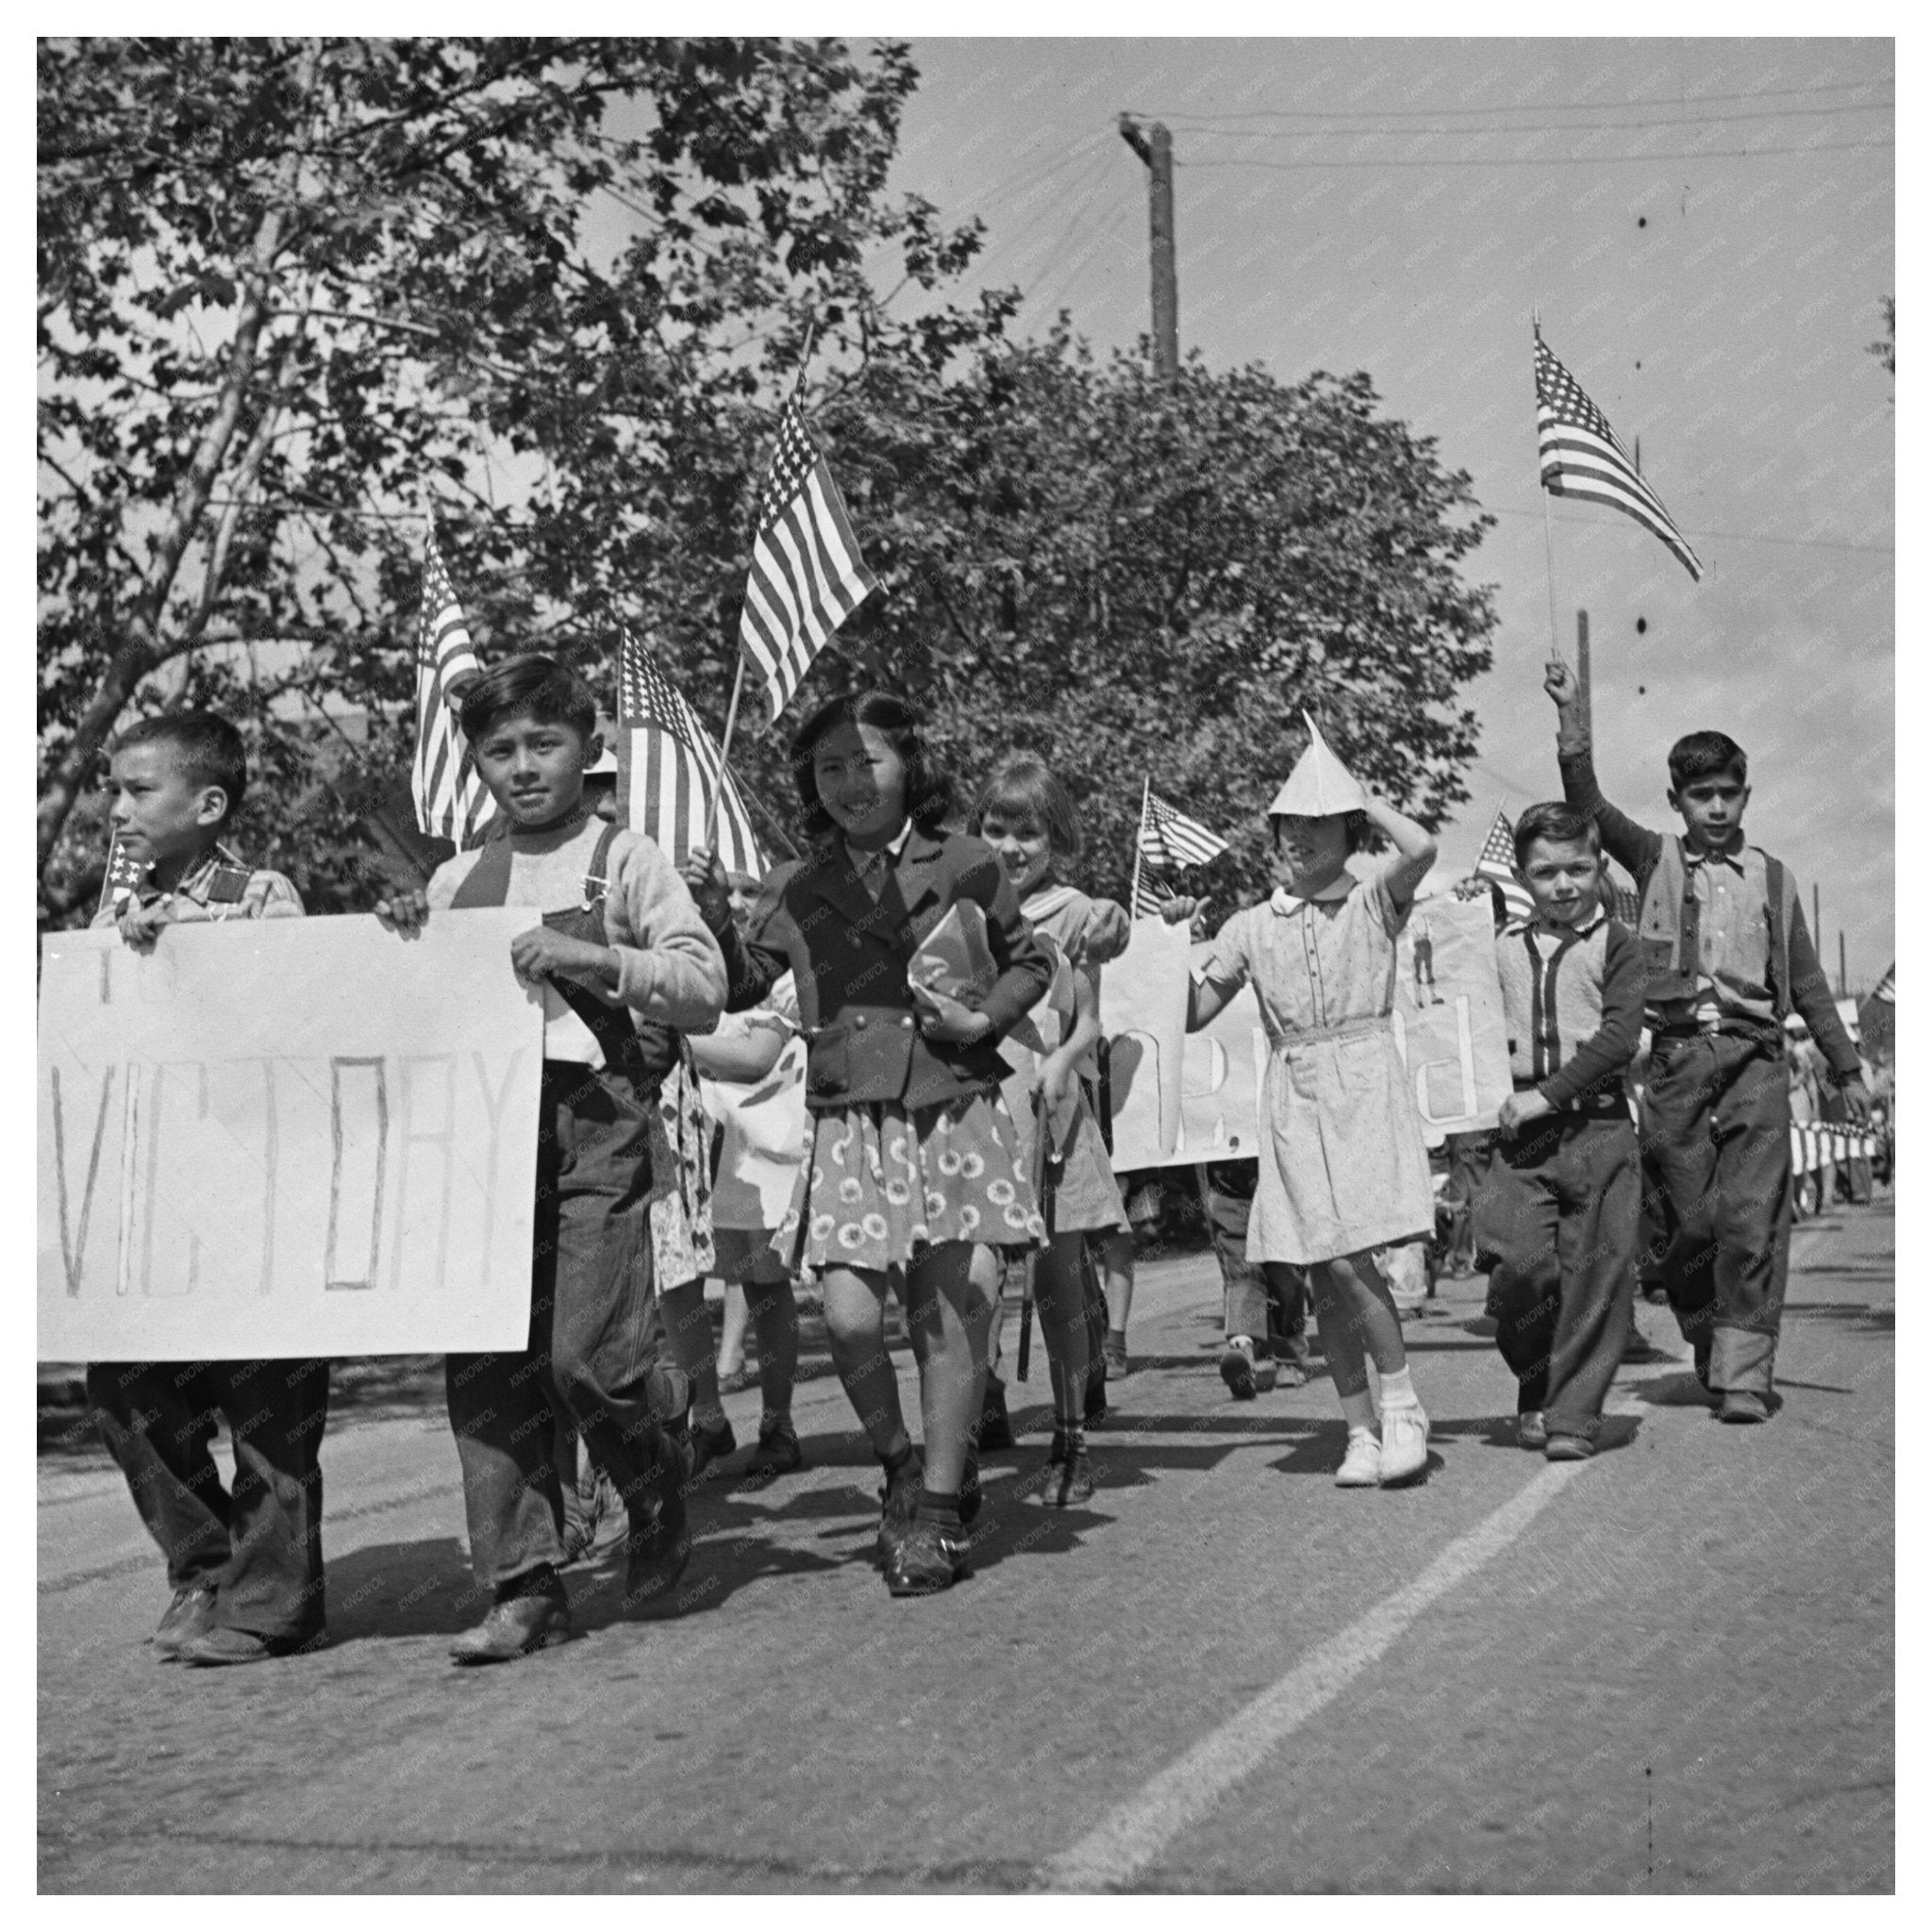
1573, 999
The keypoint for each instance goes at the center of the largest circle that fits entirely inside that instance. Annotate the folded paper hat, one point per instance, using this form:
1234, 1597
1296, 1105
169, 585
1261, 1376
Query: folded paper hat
1320, 785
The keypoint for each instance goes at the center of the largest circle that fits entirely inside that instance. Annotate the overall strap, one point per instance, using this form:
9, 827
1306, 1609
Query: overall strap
597, 879
487, 882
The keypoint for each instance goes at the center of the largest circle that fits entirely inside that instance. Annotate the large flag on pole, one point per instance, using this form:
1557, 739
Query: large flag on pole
807, 573
1497, 863
1581, 457
452, 800
668, 766
1168, 838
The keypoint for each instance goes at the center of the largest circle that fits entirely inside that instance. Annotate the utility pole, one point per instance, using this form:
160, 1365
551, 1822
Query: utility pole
1841, 963
1583, 665
1817, 923
1156, 148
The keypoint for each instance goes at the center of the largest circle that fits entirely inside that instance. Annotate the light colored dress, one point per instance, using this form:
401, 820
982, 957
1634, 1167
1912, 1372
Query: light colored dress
1345, 1167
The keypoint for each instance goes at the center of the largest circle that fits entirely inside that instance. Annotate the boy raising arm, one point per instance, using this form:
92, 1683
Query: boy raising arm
1727, 957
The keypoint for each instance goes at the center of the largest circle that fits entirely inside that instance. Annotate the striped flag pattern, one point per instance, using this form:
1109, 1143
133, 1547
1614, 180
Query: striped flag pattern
452, 800
1497, 862
807, 573
667, 768
123, 874
1171, 838
1581, 457
1886, 989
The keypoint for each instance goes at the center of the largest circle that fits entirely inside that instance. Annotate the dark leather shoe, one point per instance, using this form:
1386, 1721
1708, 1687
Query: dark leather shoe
898, 1503
654, 1558
778, 1452
1742, 1406
514, 1628
191, 1615
710, 1445
221, 1645
929, 1560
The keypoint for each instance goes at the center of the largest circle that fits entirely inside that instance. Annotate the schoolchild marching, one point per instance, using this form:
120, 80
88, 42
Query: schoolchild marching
913, 1178
621, 958
1341, 1166
1726, 960
1555, 1218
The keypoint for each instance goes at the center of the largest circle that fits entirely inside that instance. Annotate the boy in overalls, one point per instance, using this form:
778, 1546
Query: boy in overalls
623, 958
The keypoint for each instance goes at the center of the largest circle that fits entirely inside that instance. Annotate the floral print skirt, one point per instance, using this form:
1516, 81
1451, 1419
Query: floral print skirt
882, 1183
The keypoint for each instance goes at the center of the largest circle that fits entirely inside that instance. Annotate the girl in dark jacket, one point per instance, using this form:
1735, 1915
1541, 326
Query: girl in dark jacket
913, 1174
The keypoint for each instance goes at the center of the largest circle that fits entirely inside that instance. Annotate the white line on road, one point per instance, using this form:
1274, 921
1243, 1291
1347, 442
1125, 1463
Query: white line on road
1132, 1836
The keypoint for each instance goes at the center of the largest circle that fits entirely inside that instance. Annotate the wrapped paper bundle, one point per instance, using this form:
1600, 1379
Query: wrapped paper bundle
955, 958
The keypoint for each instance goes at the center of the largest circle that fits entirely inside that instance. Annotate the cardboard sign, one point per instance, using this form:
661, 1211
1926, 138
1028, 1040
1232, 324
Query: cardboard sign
300, 1136
1448, 1016
1448, 1022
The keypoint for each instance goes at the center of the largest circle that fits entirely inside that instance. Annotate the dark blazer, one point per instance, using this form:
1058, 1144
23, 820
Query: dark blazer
849, 955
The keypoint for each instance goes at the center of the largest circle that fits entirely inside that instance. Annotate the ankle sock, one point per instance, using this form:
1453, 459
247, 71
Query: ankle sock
936, 1506
1359, 1411
1398, 1391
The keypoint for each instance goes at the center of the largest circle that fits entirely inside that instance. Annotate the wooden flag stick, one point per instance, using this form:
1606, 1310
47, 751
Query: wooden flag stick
1134, 896
725, 754
1536, 324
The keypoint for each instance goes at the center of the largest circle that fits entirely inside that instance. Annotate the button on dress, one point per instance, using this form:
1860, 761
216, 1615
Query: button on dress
1343, 1167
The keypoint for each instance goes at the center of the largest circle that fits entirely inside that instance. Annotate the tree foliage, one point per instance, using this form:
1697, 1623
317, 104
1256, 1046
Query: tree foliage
292, 293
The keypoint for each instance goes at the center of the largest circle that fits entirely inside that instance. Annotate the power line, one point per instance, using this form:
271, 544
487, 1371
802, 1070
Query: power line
1059, 252
1722, 535
1769, 94
1695, 154
1547, 127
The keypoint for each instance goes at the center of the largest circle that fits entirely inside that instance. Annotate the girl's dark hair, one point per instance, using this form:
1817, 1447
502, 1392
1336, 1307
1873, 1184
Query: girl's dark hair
929, 789
528, 687
1022, 787
208, 751
1355, 822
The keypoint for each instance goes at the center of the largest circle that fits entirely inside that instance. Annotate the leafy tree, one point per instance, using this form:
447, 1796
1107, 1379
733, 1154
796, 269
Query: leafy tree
1886, 347
291, 292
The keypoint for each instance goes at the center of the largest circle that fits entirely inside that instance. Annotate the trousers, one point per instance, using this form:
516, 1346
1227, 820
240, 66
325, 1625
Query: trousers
1555, 1226
1268, 1302
1717, 1139
258, 1543
593, 1345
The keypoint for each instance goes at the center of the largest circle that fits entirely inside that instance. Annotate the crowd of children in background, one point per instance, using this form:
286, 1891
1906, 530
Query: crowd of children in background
955, 1144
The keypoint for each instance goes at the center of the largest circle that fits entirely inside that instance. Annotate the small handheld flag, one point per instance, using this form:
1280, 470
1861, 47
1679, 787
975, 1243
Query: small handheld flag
123, 874
668, 768
1886, 989
1168, 838
452, 800
807, 573
1497, 863
1581, 457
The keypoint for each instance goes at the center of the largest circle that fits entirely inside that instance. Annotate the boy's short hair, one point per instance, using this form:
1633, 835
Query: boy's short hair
1704, 755
1557, 824
528, 687
207, 750
1021, 788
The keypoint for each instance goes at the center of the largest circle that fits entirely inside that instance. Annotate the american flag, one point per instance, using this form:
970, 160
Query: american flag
452, 800
1887, 988
1581, 457
667, 768
807, 575
125, 874
1497, 862
1170, 838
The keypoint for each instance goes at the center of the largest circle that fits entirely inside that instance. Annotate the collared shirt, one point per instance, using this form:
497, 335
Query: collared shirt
1286, 904
220, 887
1733, 938
871, 867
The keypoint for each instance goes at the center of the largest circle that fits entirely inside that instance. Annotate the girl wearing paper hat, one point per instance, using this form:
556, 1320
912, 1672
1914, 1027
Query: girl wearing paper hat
1343, 1170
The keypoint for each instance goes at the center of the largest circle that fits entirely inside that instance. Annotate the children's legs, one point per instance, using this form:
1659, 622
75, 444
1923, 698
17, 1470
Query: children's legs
854, 1302
1059, 1290
1359, 1322
1597, 1241
736, 1320
1751, 1224
949, 1296
687, 1327
774, 1312
1117, 1276
1287, 1289
1515, 1227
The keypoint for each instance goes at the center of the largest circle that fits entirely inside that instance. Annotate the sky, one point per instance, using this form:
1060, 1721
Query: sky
1706, 228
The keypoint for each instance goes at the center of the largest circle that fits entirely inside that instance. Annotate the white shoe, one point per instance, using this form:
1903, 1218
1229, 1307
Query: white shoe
1361, 1467
1405, 1445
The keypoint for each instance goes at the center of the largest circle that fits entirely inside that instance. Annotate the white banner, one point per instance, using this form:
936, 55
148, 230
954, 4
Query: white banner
302, 1137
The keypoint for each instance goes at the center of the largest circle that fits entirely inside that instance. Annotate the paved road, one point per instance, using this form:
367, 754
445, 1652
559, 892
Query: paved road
1666, 1670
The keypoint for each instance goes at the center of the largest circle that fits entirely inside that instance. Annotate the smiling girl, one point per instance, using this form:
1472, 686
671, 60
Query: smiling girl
1342, 1169
912, 1178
